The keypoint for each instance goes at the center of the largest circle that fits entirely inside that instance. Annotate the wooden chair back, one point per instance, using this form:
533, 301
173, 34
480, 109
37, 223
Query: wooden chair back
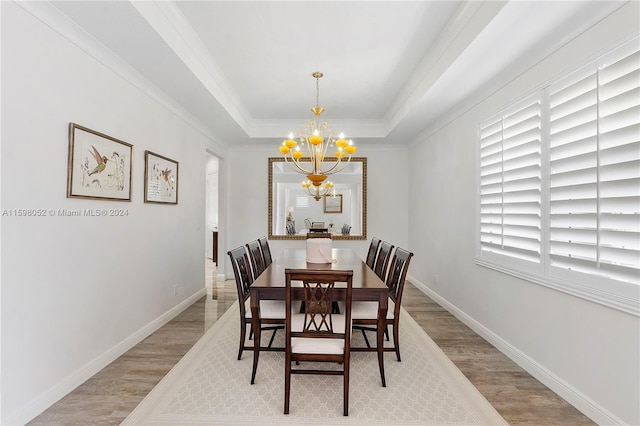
257, 261
266, 252
396, 276
380, 266
373, 251
242, 274
319, 295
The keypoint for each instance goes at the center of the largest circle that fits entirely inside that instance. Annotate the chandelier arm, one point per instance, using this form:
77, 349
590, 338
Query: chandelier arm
338, 165
345, 163
294, 162
317, 163
339, 162
333, 168
319, 193
313, 126
326, 146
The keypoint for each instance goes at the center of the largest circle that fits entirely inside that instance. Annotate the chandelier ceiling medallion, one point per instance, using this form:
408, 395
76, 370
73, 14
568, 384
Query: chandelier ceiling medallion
310, 153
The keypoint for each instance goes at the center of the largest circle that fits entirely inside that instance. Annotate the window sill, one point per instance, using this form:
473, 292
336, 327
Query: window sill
622, 296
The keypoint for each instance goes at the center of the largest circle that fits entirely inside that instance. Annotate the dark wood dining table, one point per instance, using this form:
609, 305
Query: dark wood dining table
367, 285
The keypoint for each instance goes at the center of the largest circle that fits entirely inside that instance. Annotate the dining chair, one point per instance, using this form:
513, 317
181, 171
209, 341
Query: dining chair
373, 251
365, 314
318, 334
382, 259
272, 312
266, 252
255, 254
291, 229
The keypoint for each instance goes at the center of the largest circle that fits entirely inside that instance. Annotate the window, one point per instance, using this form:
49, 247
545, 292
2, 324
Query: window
302, 202
559, 177
510, 184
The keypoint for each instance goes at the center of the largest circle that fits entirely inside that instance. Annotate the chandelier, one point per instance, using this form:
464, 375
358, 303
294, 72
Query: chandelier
316, 191
310, 154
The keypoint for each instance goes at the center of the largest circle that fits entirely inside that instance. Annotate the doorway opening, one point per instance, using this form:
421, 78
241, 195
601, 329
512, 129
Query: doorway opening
211, 209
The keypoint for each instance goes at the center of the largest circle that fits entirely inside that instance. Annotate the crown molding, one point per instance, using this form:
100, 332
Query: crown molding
171, 25
470, 19
49, 15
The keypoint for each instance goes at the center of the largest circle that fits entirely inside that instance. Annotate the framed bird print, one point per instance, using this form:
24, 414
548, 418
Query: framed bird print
99, 166
160, 179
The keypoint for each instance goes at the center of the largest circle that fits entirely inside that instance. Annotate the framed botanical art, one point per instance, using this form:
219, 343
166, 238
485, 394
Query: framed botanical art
160, 179
99, 166
333, 203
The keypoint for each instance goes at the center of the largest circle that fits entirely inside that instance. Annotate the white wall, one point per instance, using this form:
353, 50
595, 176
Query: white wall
79, 291
586, 352
387, 195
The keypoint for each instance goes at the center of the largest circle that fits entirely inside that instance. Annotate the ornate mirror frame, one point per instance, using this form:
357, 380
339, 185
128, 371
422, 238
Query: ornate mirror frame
361, 236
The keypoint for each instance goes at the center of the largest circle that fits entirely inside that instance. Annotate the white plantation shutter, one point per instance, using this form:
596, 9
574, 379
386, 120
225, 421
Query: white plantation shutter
559, 184
594, 153
510, 184
302, 202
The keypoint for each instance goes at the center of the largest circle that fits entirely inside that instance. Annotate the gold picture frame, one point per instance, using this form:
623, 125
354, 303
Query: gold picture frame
333, 203
160, 179
99, 166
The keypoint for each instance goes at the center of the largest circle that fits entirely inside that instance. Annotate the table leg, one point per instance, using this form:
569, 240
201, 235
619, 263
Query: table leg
255, 325
382, 315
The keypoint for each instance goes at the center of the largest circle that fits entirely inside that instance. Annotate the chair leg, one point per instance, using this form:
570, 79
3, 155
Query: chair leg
256, 353
243, 330
386, 331
287, 385
346, 388
380, 346
396, 339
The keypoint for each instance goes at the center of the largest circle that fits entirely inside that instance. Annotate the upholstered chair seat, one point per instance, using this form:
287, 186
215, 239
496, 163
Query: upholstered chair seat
271, 308
365, 310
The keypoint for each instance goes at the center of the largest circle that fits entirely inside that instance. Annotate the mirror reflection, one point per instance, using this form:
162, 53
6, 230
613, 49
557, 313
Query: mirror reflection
293, 212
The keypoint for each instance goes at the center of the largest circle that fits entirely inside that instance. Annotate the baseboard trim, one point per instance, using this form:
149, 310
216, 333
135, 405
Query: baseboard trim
81, 375
580, 401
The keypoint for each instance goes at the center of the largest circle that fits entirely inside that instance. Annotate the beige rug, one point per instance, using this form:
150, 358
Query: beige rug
210, 387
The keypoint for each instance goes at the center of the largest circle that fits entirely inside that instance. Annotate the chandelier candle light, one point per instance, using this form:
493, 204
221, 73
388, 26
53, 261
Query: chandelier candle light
316, 139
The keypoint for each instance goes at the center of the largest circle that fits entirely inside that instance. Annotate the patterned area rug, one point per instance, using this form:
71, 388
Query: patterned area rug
209, 386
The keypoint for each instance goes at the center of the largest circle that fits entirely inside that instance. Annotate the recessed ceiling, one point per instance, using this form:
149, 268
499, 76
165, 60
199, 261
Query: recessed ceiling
243, 69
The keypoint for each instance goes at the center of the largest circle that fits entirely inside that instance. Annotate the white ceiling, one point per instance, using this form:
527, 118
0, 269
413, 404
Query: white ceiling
391, 68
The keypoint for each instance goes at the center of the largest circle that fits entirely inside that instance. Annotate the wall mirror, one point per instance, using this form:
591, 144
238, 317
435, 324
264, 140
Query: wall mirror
291, 209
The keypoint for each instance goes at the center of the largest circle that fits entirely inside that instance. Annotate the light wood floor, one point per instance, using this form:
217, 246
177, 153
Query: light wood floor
109, 396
